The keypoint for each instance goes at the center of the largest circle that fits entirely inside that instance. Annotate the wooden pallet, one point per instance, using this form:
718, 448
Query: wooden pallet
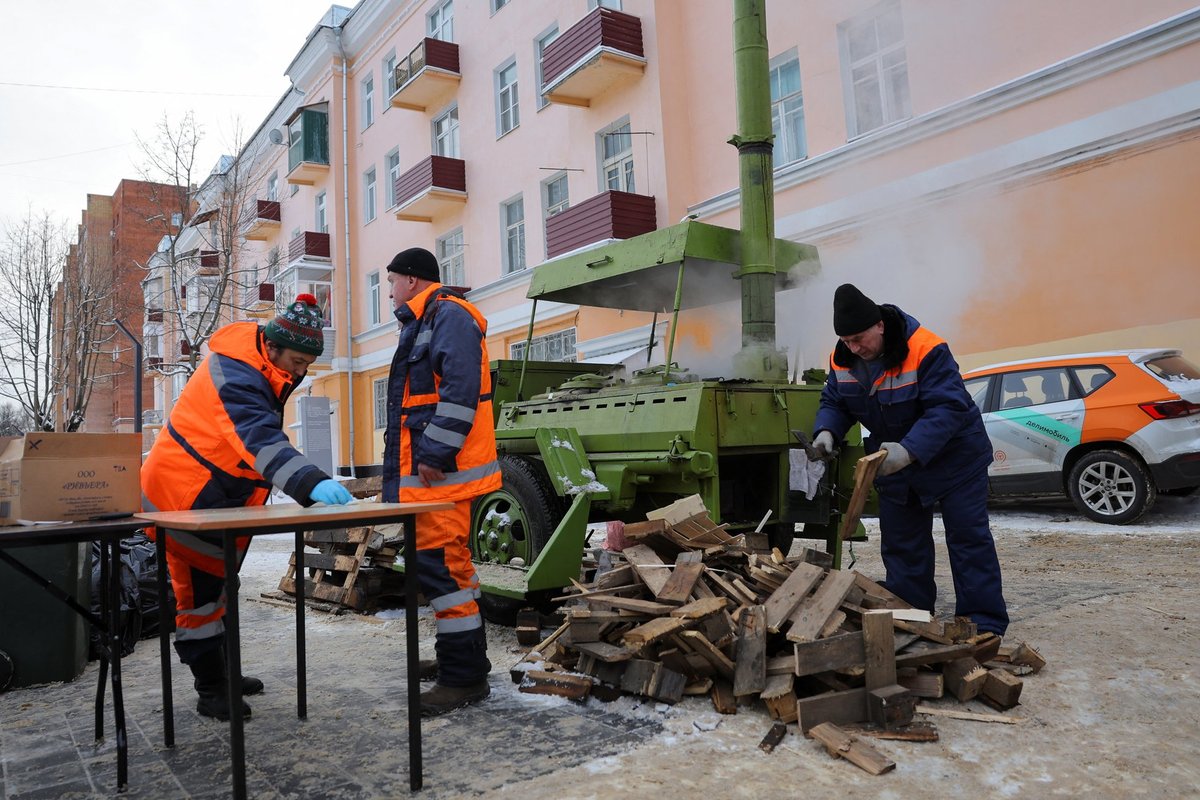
338, 566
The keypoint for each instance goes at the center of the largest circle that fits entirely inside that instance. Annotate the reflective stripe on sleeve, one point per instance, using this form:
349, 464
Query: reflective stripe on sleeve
268, 453
465, 476
456, 440
455, 411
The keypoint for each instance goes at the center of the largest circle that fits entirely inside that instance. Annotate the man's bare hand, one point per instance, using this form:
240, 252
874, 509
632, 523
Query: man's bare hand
429, 475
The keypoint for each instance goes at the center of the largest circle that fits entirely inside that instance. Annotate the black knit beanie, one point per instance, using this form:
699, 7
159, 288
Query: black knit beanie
418, 262
299, 327
853, 311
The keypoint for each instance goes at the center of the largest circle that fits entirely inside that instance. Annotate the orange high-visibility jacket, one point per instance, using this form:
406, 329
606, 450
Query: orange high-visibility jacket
440, 402
224, 445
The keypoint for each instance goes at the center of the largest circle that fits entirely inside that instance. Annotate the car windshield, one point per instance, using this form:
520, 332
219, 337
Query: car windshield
1174, 368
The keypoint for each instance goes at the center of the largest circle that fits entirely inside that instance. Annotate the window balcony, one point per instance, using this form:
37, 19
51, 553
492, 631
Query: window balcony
595, 55
263, 220
153, 361
309, 246
436, 186
208, 262
259, 300
308, 145
154, 315
428, 76
609, 215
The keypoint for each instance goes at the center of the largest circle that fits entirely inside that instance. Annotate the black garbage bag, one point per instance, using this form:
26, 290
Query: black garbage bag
140, 607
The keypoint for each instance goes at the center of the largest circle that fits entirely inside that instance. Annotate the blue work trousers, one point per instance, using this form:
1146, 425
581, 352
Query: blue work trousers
908, 555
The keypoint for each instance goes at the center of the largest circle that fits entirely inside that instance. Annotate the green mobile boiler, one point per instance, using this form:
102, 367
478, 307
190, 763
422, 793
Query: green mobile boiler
589, 443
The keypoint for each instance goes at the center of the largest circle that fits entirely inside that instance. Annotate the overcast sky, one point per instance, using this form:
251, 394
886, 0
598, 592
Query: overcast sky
118, 66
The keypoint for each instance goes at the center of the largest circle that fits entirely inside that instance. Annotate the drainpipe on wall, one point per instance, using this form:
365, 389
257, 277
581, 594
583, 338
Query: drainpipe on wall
346, 250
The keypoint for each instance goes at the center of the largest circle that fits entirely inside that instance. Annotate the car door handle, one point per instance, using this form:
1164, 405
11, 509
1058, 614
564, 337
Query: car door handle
1064, 417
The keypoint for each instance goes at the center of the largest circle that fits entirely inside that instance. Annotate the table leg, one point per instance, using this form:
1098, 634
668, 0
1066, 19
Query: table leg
233, 654
164, 639
301, 676
114, 629
106, 602
412, 589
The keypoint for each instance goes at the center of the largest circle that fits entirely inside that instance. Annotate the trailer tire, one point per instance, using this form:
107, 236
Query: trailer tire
516, 520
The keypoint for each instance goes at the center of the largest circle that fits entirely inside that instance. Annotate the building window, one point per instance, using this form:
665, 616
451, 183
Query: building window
539, 50
498, 4
369, 205
508, 115
322, 221
273, 186
380, 391
450, 257
389, 75
787, 109
368, 101
392, 160
373, 298
875, 70
615, 5
445, 134
616, 164
554, 195
512, 217
201, 293
557, 346
440, 22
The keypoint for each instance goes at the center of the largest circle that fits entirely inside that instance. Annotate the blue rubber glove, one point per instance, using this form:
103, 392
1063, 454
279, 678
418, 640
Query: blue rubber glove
331, 493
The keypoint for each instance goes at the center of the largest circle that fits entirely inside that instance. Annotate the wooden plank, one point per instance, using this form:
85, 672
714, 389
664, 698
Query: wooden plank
781, 665
836, 707
876, 596
678, 587
917, 731
1021, 655
617, 576
706, 648
1001, 690
698, 609
722, 697
783, 601
679, 511
560, 684
779, 698
964, 678
968, 715
652, 631
667, 685
603, 651
833, 625
811, 615
890, 706
750, 674
922, 684
879, 644
648, 607
345, 536
864, 475
649, 567
840, 744
936, 654
932, 631
773, 737
636, 531
826, 655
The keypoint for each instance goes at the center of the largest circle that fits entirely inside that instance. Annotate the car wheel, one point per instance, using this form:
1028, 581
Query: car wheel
1111, 486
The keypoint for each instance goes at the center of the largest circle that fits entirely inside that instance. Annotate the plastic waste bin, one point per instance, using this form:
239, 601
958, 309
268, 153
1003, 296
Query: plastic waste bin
46, 640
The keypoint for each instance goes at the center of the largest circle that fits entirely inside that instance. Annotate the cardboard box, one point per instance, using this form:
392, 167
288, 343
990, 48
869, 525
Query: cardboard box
69, 476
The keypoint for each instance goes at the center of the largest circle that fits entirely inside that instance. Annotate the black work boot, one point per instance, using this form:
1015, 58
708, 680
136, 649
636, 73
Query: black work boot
213, 687
441, 699
427, 669
250, 684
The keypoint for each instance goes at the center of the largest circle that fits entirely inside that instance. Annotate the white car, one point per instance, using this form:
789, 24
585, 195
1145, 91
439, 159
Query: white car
1110, 430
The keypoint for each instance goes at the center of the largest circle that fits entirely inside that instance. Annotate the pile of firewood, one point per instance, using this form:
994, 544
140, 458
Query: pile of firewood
687, 609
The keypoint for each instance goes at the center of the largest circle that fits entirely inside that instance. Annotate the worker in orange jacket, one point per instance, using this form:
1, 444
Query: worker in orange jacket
223, 447
440, 444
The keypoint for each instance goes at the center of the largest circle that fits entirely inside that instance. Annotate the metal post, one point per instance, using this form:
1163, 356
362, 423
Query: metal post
759, 358
137, 376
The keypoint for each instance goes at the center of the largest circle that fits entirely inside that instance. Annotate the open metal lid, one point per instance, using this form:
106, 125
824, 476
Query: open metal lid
640, 274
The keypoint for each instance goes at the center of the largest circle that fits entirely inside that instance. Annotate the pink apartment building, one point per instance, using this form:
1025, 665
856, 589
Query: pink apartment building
1019, 175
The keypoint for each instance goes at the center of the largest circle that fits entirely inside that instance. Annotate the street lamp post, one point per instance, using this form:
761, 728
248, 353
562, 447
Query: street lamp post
137, 376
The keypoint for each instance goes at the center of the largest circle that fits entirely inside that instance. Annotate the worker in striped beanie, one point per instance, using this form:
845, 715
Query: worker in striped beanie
300, 326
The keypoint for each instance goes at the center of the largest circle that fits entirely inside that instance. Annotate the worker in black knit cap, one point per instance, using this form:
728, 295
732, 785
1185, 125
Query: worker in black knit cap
901, 382
440, 445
